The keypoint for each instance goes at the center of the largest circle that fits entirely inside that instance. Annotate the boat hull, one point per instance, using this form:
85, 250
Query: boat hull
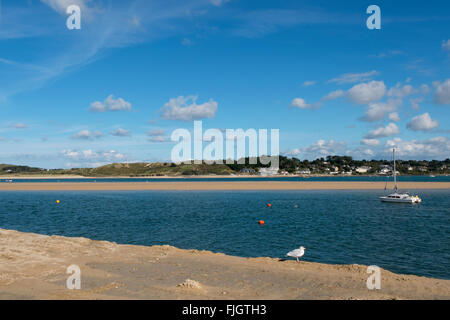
394, 200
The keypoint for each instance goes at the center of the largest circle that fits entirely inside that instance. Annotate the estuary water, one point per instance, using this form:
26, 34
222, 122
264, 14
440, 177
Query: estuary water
337, 227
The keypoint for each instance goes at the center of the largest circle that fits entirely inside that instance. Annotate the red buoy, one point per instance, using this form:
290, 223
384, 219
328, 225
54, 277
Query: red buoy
261, 222
269, 205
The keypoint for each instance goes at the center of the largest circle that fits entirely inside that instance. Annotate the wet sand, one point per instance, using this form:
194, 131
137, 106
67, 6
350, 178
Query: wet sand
34, 267
220, 185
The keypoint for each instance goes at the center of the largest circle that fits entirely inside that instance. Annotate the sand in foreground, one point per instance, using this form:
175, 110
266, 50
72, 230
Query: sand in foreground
34, 267
220, 185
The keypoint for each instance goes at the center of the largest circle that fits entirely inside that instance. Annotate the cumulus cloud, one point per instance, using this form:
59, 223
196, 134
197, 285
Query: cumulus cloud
381, 132
446, 45
378, 111
157, 135
110, 104
119, 132
442, 94
394, 116
320, 149
186, 109
434, 148
300, 103
354, 77
366, 93
92, 158
422, 123
87, 135
400, 91
370, 142
415, 102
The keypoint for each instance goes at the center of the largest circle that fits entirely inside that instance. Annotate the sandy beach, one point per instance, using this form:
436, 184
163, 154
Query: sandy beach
34, 267
219, 185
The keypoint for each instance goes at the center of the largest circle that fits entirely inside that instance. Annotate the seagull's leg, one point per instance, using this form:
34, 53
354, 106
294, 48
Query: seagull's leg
297, 260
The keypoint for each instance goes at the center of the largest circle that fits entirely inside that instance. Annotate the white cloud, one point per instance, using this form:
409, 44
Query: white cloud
186, 109
366, 93
110, 104
422, 123
300, 103
156, 132
92, 158
401, 91
158, 139
434, 148
157, 135
394, 116
446, 45
333, 95
119, 132
370, 142
442, 94
415, 102
381, 132
354, 77
378, 111
308, 83
87, 135
320, 149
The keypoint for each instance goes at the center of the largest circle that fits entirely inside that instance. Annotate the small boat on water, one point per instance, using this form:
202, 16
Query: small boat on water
399, 197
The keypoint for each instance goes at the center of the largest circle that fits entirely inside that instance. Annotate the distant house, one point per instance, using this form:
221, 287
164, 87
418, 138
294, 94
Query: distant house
385, 170
284, 172
363, 169
304, 172
268, 171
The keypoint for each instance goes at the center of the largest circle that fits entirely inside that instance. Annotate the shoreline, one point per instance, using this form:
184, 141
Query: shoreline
217, 185
62, 177
33, 266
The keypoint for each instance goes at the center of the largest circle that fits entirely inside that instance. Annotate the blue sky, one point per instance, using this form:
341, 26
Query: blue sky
137, 70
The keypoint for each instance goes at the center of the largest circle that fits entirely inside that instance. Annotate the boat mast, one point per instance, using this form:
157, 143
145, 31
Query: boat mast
395, 171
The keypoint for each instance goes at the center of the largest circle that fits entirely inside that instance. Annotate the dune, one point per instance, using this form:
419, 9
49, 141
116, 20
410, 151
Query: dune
35, 266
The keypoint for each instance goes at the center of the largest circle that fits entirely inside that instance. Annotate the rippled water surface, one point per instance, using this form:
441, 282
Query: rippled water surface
341, 227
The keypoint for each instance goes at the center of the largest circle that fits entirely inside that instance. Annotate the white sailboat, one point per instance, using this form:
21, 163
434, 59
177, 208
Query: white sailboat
397, 196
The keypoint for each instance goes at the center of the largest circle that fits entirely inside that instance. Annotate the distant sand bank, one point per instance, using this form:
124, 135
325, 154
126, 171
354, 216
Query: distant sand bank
34, 267
220, 185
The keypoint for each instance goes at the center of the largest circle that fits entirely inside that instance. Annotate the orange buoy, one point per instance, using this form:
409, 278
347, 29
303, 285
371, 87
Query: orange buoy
261, 222
269, 205
57, 201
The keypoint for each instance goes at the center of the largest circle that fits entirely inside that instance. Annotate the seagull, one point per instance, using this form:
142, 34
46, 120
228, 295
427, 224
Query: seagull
297, 253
